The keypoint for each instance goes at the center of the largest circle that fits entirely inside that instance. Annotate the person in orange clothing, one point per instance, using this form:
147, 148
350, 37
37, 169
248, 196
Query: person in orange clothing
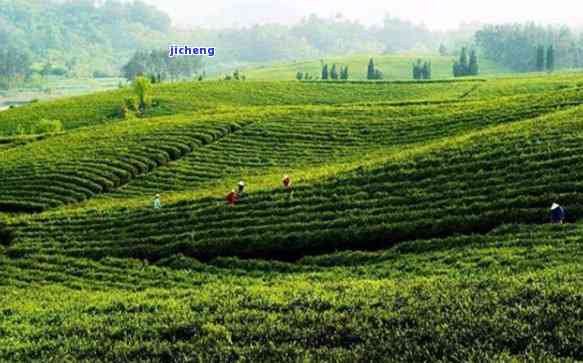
232, 198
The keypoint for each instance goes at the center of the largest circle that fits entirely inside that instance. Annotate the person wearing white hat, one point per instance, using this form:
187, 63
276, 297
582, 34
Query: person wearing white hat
157, 203
557, 214
241, 188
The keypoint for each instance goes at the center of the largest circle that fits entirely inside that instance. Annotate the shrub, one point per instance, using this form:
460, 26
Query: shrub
48, 127
6, 235
124, 111
142, 87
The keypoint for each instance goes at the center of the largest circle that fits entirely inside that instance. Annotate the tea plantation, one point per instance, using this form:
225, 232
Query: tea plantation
417, 229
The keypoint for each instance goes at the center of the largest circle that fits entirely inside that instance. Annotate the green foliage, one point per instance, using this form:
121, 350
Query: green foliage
373, 73
101, 34
315, 36
334, 73
236, 76
473, 67
395, 67
159, 67
510, 295
187, 97
417, 69
444, 200
422, 70
6, 235
304, 76
128, 107
142, 88
370, 72
129, 150
550, 64
14, 66
464, 67
513, 45
344, 73
325, 72
463, 61
45, 126
448, 184
540, 58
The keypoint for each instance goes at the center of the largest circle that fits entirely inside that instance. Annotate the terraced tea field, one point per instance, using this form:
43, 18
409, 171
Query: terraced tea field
198, 97
417, 229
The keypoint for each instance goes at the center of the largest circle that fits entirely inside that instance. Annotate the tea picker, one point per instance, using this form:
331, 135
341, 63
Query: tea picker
287, 185
557, 214
241, 187
232, 198
157, 203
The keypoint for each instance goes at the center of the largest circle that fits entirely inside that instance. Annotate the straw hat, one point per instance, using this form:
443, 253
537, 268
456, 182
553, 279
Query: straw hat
554, 206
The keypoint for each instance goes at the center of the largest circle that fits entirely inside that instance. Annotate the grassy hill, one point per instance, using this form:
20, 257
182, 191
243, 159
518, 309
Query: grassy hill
417, 228
172, 99
394, 67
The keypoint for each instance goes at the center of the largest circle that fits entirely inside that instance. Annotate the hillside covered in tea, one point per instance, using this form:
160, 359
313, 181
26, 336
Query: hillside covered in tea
417, 229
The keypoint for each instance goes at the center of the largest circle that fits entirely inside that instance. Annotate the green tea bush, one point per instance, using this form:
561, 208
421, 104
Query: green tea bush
79, 165
417, 230
6, 234
471, 184
50, 127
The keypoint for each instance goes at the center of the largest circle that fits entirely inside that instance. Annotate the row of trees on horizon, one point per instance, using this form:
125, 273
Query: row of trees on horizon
422, 70
334, 73
42, 40
466, 67
159, 67
545, 58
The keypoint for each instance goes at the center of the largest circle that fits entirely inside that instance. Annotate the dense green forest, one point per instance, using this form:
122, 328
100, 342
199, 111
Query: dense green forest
518, 46
316, 37
90, 38
75, 38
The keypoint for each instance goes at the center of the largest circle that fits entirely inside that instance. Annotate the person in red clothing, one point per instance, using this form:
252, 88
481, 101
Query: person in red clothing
232, 198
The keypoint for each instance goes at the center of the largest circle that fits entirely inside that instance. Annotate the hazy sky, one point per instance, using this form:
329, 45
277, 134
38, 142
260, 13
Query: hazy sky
436, 14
